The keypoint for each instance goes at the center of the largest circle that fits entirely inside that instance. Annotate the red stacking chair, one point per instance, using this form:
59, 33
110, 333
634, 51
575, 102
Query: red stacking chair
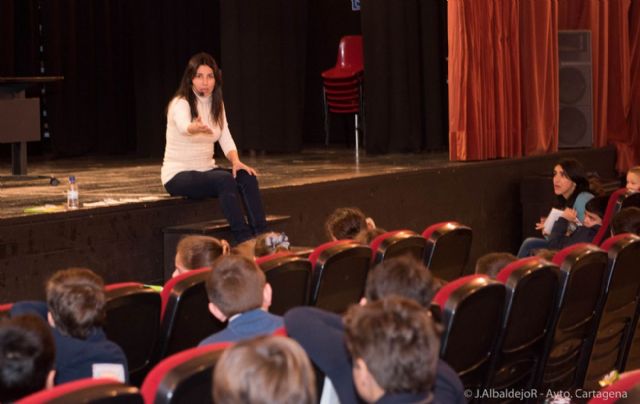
5, 309
186, 319
471, 308
582, 273
133, 322
447, 250
342, 90
395, 244
618, 308
613, 206
531, 290
290, 279
105, 391
186, 377
625, 387
339, 274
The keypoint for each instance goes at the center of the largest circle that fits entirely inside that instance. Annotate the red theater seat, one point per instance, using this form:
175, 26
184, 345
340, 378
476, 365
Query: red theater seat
626, 387
290, 279
133, 322
186, 319
447, 249
613, 206
185, 377
531, 291
613, 333
340, 271
582, 273
471, 309
105, 391
395, 244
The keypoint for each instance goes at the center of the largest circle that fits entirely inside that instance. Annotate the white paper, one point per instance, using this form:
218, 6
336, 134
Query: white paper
554, 214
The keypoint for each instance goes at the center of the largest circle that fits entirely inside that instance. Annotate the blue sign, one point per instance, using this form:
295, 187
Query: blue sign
355, 5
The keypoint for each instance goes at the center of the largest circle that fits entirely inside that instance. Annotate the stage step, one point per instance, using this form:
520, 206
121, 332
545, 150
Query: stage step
215, 228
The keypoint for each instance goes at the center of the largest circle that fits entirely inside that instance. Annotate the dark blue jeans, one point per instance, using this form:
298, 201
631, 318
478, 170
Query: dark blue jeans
219, 183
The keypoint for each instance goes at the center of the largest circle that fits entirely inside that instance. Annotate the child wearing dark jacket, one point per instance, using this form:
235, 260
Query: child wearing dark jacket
594, 212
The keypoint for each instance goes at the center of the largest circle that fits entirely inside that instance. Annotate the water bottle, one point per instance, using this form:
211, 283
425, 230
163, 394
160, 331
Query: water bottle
72, 194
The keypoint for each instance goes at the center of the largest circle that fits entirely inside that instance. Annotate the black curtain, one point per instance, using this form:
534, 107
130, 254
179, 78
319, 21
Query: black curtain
405, 75
263, 49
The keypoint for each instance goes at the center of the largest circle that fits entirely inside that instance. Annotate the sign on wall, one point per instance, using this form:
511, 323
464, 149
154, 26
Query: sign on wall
355, 5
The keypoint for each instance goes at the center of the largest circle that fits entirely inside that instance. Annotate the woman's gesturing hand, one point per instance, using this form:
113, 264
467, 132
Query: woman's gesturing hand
198, 126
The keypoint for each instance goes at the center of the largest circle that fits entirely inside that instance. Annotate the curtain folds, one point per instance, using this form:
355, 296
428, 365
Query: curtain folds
497, 61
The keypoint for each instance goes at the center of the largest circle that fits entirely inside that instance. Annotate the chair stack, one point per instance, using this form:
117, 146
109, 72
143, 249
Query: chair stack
342, 89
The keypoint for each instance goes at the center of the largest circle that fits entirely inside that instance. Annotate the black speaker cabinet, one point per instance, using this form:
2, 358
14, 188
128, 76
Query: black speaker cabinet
576, 89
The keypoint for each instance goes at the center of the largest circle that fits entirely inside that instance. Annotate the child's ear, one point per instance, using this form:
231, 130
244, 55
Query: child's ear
213, 309
267, 294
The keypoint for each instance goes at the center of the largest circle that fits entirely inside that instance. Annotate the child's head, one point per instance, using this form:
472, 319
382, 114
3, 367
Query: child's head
345, 223
76, 300
267, 369
195, 252
490, 264
394, 347
594, 211
633, 179
27, 353
236, 285
270, 243
401, 276
546, 253
626, 221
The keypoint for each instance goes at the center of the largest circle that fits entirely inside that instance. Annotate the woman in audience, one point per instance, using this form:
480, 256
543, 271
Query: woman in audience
267, 369
195, 252
573, 189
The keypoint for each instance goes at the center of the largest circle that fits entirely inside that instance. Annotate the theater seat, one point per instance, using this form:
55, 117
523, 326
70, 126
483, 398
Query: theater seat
87, 391
395, 244
185, 377
290, 279
5, 309
339, 274
471, 308
628, 386
447, 249
531, 290
613, 333
582, 273
133, 322
613, 206
186, 319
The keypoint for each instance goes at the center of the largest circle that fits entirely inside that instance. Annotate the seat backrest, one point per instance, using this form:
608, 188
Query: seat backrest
613, 206
395, 244
623, 387
290, 280
531, 290
185, 377
350, 52
339, 275
133, 322
5, 309
616, 312
472, 309
582, 271
447, 249
86, 391
186, 319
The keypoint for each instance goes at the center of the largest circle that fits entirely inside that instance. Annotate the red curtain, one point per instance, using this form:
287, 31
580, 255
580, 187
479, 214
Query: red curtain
503, 89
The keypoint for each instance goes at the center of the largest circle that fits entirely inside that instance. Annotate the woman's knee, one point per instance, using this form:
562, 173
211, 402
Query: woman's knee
245, 179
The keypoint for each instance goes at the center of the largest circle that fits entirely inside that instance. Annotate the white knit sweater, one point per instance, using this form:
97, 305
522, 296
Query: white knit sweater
187, 152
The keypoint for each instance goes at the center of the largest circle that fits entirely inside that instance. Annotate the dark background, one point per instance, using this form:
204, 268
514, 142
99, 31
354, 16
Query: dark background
122, 61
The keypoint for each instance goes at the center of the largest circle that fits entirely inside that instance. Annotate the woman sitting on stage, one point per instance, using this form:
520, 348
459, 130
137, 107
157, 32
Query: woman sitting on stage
196, 120
573, 190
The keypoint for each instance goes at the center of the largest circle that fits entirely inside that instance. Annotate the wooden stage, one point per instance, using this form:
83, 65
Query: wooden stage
120, 229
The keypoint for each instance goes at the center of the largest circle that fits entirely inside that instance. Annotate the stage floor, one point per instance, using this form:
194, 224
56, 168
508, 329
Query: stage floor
121, 180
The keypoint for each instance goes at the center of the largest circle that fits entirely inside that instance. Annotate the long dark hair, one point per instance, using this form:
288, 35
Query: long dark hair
575, 171
185, 90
